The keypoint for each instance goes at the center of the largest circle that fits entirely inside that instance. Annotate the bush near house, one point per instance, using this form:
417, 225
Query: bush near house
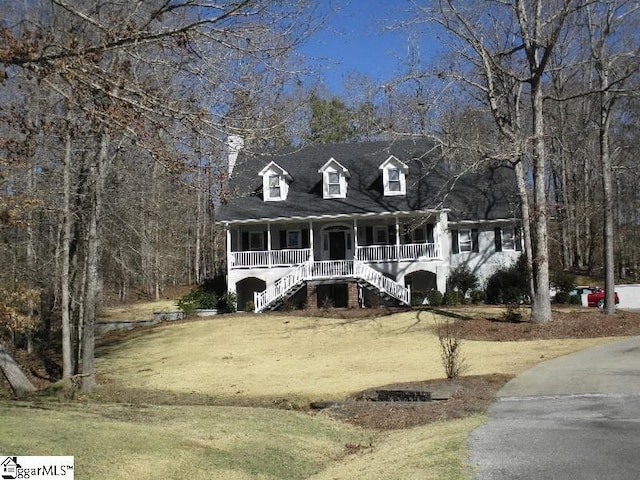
435, 298
562, 298
451, 297
211, 294
563, 281
478, 296
463, 280
198, 298
509, 285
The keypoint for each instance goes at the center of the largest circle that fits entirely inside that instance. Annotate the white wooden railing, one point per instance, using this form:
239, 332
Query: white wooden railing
281, 287
410, 251
370, 253
332, 269
382, 283
270, 258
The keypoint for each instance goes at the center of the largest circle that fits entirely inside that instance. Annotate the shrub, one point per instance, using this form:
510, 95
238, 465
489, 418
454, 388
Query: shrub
417, 297
562, 298
434, 297
229, 302
513, 313
575, 300
563, 281
478, 296
462, 279
509, 285
249, 306
197, 298
450, 338
451, 297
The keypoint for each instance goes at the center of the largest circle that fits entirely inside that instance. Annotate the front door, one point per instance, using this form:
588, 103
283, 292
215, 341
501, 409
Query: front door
337, 245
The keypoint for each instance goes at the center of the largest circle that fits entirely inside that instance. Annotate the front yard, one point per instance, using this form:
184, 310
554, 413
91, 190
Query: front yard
188, 399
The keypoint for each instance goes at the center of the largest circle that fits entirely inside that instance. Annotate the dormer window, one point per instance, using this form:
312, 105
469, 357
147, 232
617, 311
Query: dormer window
334, 180
333, 183
275, 183
274, 187
394, 174
394, 180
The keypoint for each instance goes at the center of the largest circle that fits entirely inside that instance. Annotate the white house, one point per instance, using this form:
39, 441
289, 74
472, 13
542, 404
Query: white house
361, 223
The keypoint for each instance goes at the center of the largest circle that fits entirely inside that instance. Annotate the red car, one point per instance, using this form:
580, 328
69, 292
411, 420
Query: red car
596, 298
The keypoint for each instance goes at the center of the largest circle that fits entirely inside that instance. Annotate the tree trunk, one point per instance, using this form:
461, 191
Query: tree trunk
67, 364
92, 261
541, 305
18, 381
526, 219
607, 182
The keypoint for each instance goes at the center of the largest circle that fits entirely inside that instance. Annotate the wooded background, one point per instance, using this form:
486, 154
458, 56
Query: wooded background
114, 116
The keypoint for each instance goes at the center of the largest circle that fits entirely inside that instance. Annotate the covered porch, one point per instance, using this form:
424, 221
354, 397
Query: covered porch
368, 239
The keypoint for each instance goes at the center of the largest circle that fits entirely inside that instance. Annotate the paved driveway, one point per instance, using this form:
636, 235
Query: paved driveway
575, 417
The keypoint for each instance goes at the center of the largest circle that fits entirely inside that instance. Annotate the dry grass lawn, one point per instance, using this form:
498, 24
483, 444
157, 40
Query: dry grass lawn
136, 311
169, 403
301, 359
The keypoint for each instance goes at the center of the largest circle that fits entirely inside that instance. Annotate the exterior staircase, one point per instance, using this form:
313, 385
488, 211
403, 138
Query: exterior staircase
277, 293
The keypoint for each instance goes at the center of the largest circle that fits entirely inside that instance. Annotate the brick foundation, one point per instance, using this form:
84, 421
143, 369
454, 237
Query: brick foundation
353, 295
312, 296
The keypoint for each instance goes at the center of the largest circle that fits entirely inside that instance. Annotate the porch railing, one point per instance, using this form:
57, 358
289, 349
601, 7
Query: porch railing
371, 253
332, 269
270, 258
410, 251
382, 283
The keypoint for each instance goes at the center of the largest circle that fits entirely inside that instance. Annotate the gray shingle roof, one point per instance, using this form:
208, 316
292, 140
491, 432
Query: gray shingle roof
484, 194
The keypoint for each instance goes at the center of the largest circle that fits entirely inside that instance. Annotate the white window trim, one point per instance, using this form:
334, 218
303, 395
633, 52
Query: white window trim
504, 239
392, 163
460, 243
333, 166
270, 171
270, 187
329, 174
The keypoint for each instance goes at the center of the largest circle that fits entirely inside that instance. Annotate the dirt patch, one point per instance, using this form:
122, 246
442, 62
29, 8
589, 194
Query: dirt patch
473, 394
567, 323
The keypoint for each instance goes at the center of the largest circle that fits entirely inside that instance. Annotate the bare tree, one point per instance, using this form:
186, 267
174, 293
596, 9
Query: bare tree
614, 53
503, 47
145, 75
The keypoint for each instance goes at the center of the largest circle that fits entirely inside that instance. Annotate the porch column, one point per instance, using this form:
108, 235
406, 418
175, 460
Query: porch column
269, 244
355, 238
441, 237
229, 255
397, 238
311, 246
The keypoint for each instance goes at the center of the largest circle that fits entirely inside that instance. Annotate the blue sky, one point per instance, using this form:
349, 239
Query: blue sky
358, 38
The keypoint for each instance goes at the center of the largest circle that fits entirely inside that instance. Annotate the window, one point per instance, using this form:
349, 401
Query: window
508, 239
418, 235
465, 240
294, 239
380, 235
275, 183
334, 179
256, 240
274, 186
333, 183
394, 173
394, 180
